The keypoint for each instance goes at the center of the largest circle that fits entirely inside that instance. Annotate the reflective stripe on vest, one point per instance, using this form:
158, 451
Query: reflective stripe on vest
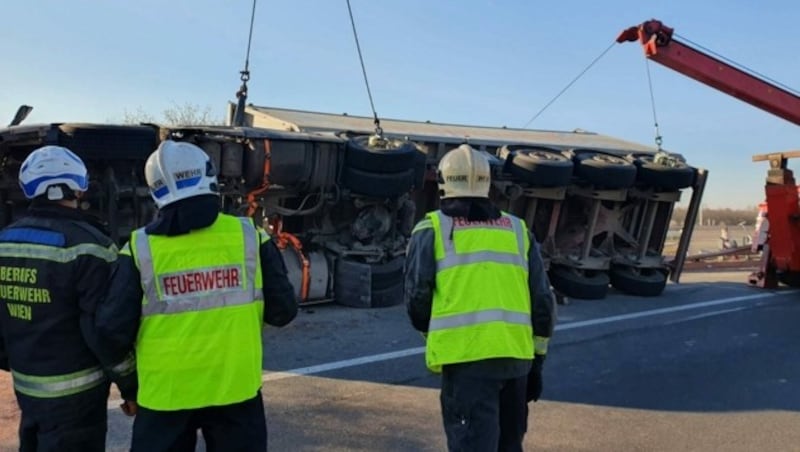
452, 259
126, 367
243, 292
475, 318
58, 385
58, 254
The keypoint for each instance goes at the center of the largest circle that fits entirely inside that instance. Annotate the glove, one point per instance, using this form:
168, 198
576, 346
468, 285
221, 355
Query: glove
129, 407
534, 389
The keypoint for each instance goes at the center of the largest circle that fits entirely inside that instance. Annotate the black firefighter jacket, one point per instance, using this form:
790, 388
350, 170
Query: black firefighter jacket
54, 271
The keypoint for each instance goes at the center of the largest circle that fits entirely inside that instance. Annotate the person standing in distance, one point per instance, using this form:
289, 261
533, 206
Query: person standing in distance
190, 293
476, 287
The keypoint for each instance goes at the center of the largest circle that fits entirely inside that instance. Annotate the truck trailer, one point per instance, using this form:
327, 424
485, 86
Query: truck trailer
341, 200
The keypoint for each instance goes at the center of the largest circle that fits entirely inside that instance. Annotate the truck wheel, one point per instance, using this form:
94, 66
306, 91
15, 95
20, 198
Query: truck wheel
604, 170
581, 284
103, 142
652, 174
397, 156
390, 296
379, 185
361, 285
641, 282
538, 166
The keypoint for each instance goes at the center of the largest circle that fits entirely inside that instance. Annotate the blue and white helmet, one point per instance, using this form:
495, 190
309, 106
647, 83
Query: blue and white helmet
179, 170
49, 169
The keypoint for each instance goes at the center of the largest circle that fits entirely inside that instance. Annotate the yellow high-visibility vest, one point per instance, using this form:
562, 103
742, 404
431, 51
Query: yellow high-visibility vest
199, 342
481, 302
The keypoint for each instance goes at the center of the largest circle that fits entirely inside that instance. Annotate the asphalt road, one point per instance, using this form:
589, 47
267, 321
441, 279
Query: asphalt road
708, 366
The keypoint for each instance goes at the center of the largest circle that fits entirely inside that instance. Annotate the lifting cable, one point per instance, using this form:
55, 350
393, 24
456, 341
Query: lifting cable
246, 72
378, 129
241, 94
569, 85
653, 102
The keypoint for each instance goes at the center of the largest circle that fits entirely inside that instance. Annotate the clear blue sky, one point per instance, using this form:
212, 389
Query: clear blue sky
485, 62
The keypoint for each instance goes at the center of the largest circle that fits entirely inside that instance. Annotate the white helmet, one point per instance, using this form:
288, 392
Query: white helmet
179, 170
464, 172
49, 169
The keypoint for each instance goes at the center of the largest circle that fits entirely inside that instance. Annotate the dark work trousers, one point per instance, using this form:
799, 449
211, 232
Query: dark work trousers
73, 423
238, 427
483, 414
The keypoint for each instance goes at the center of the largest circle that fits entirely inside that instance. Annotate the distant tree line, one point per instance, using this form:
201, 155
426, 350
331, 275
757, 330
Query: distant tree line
187, 114
714, 217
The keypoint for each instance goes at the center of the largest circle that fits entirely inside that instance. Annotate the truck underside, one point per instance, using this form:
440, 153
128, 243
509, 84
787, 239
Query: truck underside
342, 205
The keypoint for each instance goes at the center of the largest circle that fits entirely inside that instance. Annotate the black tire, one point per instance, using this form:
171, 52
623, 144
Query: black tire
361, 285
388, 275
651, 174
105, 142
538, 166
604, 170
379, 185
398, 156
581, 284
387, 283
641, 282
390, 296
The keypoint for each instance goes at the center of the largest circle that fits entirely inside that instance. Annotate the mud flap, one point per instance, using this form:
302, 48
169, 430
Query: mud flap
362, 285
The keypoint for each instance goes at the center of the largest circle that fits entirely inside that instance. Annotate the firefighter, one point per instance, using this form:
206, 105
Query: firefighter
191, 290
54, 270
477, 289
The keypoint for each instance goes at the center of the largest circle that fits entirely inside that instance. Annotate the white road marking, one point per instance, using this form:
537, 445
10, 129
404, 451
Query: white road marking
706, 315
326, 367
319, 368
652, 312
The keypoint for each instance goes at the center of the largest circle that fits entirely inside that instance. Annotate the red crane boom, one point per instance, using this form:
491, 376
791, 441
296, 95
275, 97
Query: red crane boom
660, 46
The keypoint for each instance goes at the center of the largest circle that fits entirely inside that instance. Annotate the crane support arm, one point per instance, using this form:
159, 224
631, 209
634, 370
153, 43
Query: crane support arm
660, 46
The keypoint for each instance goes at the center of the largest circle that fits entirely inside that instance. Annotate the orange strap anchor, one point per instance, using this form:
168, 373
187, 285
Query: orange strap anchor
252, 205
285, 239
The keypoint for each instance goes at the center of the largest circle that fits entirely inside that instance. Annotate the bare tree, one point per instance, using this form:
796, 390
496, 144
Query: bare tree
138, 116
187, 114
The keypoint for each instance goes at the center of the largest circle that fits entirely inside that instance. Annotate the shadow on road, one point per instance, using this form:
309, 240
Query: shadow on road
740, 360
731, 359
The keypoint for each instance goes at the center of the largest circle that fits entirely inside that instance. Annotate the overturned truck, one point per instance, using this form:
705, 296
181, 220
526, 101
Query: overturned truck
341, 203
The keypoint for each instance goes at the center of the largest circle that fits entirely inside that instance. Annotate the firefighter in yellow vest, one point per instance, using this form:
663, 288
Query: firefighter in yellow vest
477, 289
191, 291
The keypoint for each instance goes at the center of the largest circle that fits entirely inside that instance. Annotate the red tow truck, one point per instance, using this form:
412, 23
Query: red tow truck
781, 252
